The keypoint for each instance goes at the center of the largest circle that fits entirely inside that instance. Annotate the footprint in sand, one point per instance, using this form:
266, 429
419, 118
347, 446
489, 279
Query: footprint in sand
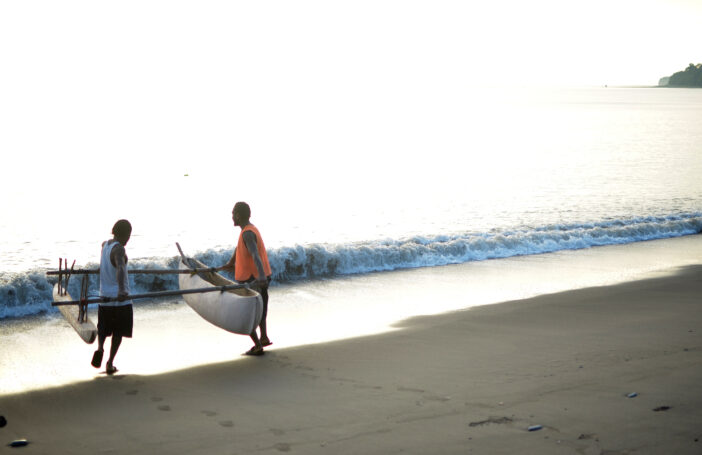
282, 447
164, 407
226, 423
367, 387
436, 398
496, 420
661, 408
409, 389
209, 413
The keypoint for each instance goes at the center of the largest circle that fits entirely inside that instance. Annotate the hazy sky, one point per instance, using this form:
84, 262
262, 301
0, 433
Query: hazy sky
167, 82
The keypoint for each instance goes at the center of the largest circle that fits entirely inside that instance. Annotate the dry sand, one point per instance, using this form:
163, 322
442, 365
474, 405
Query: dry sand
465, 382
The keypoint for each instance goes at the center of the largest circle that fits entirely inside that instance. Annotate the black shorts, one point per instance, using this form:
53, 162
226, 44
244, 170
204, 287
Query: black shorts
264, 295
115, 320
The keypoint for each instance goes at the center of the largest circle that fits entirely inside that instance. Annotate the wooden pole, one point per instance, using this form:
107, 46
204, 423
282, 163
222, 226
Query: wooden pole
135, 271
68, 276
183, 258
151, 295
60, 278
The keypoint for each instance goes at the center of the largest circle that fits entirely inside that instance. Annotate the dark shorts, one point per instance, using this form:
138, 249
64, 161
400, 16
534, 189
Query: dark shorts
264, 296
115, 320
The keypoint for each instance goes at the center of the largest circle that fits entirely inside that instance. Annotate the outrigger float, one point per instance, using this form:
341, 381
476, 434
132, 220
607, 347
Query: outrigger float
222, 302
76, 313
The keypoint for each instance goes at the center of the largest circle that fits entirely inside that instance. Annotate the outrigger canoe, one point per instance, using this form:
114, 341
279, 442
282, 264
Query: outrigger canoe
236, 310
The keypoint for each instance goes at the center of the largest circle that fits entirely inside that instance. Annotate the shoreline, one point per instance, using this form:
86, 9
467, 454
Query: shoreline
473, 379
45, 352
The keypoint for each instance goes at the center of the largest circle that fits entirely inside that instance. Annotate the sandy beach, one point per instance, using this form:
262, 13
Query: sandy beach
470, 381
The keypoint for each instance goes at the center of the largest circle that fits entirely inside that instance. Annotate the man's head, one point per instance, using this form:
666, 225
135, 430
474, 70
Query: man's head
241, 213
122, 230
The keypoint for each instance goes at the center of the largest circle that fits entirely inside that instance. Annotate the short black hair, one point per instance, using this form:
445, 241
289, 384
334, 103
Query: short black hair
122, 228
243, 209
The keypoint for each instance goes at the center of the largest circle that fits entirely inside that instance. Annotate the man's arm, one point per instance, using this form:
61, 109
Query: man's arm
118, 257
250, 241
229, 266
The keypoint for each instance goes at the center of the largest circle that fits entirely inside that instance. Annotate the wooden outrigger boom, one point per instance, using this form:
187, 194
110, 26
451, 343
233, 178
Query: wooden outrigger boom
64, 275
237, 308
150, 295
134, 271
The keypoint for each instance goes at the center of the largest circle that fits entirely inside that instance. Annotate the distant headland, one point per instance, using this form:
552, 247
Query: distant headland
691, 77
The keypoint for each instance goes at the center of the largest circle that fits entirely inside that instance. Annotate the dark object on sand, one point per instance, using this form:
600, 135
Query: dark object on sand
18, 443
632, 395
534, 428
661, 408
3, 421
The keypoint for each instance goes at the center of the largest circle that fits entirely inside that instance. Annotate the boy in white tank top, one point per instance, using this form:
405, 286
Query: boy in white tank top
115, 319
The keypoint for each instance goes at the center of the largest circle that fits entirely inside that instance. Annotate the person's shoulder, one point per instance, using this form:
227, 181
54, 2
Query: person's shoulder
118, 248
253, 228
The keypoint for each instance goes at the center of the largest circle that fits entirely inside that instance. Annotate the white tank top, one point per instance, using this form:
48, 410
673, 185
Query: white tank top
109, 287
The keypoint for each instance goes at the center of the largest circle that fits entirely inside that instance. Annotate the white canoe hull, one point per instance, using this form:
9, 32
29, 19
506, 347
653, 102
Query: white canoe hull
237, 311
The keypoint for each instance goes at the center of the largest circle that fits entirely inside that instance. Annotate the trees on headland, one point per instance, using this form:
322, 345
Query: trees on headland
691, 77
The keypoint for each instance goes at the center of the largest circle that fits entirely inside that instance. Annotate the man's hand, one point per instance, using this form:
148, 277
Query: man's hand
226, 268
258, 283
122, 296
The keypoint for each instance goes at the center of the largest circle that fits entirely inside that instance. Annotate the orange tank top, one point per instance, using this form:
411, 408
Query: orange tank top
245, 267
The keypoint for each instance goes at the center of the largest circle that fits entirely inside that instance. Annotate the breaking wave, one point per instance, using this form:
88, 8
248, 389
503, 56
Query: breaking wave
28, 293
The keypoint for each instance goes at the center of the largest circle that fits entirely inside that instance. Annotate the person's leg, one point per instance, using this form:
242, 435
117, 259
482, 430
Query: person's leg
97, 355
114, 347
122, 326
102, 335
265, 341
257, 349
116, 342
102, 327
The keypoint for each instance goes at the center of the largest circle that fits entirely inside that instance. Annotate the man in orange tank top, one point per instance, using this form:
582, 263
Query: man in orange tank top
250, 265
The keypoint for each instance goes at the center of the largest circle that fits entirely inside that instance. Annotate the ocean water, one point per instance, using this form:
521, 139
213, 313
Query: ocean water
514, 172
510, 193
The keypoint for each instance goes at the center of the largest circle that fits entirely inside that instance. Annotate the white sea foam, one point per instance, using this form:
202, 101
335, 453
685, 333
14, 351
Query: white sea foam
29, 293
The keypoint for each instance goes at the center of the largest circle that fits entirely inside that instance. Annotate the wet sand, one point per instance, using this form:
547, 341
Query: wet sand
470, 381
